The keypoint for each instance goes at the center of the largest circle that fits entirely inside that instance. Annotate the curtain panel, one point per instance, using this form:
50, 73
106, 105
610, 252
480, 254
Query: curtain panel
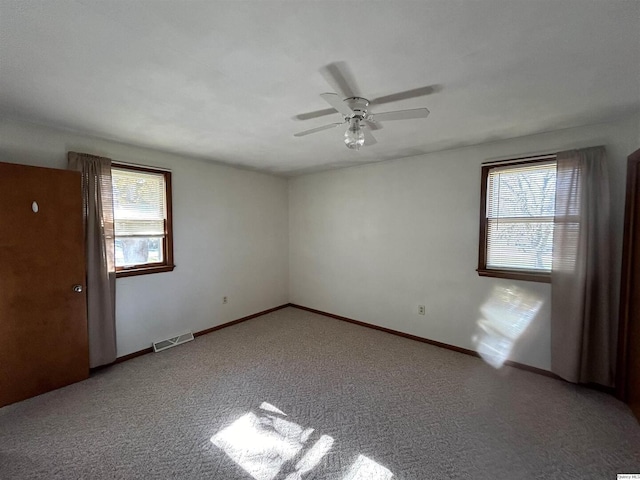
582, 323
100, 254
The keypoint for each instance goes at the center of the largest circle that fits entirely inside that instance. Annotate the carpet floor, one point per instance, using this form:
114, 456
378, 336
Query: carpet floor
294, 395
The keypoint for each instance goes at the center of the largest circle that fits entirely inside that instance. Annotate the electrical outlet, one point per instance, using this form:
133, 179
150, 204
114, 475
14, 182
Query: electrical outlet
225, 299
422, 310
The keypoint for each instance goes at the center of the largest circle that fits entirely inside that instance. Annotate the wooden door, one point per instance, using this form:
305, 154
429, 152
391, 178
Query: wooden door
628, 374
43, 320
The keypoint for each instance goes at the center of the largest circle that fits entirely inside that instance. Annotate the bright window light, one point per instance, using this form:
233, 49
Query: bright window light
265, 446
270, 408
366, 469
260, 449
314, 455
505, 317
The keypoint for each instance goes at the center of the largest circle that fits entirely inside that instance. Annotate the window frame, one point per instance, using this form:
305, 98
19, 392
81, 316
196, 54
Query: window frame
512, 274
167, 264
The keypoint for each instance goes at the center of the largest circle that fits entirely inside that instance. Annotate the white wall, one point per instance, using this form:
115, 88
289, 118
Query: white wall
230, 237
375, 241
369, 242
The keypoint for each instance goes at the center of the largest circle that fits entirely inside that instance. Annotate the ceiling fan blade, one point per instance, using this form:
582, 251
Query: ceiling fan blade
316, 114
317, 129
416, 92
373, 125
368, 138
336, 102
400, 115
338, 75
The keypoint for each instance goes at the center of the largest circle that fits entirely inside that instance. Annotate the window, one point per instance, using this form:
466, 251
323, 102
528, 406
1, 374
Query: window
142, 217
516, 219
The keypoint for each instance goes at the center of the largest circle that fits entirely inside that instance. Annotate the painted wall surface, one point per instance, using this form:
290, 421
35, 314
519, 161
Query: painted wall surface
230, 237
370, 242
373, 242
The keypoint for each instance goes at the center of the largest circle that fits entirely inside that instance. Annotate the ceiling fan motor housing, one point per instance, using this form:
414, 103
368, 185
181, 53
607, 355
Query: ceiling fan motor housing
359, 106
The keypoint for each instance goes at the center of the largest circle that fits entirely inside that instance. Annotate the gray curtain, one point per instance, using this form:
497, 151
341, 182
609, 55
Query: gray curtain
100, 254
582, 324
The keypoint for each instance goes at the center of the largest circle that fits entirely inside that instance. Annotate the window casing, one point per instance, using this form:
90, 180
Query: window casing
143, 220
516, 219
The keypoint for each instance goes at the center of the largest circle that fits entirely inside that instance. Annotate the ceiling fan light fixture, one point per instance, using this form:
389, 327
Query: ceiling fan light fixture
354, 109
354, 136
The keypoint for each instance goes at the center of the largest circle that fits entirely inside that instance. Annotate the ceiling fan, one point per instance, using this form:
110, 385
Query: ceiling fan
355, 109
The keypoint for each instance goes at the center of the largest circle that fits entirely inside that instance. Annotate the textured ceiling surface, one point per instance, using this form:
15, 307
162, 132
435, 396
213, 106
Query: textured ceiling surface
224, 81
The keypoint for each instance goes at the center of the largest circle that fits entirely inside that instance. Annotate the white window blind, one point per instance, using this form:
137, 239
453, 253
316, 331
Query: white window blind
139, 213
520, 211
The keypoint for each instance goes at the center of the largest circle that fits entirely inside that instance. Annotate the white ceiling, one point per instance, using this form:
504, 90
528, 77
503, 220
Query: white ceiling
224, 81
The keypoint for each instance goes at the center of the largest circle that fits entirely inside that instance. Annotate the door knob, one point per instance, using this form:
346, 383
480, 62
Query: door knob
77, 288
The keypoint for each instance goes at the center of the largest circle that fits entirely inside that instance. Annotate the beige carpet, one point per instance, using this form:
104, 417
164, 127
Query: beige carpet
293, 395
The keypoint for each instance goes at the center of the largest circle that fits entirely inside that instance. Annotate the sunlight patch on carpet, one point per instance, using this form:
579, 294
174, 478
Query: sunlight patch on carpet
261, 445
270, 408
366, 469
267, 446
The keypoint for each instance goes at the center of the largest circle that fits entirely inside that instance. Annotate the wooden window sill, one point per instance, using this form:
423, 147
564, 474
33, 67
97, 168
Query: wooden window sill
131, 272
516, 275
